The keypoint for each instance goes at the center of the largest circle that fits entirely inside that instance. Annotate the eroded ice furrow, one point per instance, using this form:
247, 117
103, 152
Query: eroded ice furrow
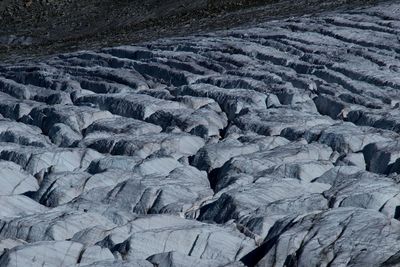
272, 145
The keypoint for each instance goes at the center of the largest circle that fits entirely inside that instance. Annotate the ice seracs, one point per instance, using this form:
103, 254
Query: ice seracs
267, 145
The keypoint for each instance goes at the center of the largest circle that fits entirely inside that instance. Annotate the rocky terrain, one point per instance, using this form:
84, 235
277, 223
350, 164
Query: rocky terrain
32, 28
271, 145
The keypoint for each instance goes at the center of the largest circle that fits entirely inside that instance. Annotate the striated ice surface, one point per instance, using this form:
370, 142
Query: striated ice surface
272, 145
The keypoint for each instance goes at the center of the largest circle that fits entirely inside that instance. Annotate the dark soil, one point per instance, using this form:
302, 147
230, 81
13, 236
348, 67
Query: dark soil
32, 28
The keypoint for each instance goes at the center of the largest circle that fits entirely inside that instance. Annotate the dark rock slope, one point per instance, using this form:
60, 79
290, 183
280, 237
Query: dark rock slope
276, 145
